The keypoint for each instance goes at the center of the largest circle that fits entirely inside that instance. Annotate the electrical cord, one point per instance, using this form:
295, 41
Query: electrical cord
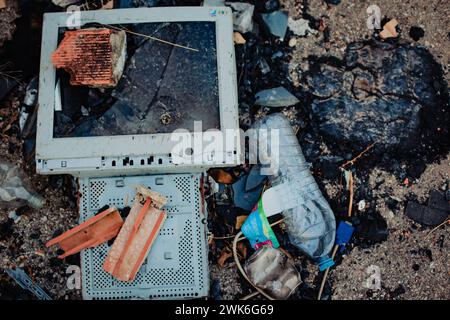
238, 238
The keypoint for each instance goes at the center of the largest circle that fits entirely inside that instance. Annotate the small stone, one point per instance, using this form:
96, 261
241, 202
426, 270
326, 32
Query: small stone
292, 42
416, 33
361, 205
276, 97
300, 27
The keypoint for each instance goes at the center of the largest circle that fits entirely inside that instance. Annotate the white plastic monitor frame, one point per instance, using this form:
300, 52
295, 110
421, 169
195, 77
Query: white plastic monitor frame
143, 153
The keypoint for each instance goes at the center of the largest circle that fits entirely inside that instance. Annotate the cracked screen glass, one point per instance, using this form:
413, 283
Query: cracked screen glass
163, 87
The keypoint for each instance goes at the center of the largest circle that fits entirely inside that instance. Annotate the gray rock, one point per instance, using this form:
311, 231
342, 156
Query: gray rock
300, 27
276, 97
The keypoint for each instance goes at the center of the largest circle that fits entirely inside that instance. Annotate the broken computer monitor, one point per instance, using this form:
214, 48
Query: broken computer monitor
179, 75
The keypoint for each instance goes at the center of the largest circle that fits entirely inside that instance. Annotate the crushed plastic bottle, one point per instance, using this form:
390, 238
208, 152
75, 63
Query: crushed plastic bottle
15, 189
309, 219
271, 270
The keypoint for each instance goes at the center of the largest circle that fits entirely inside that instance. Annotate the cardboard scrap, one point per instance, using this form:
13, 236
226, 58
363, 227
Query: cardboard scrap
238, 38
221, 176
240, 221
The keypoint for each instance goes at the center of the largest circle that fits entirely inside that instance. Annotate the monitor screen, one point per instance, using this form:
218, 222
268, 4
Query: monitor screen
163, 87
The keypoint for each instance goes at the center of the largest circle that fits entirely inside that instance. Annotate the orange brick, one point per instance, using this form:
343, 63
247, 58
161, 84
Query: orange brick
92, 57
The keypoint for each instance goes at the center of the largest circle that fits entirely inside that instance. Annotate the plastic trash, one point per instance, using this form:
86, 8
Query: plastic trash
25, 282
271, 270
435, 213
344, 234
257, 229
276, 23
310, 221
242, 16
247, 190
276, 97
333, 2
15, 188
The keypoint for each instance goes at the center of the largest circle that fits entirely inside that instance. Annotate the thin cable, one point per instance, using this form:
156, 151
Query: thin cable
151, 37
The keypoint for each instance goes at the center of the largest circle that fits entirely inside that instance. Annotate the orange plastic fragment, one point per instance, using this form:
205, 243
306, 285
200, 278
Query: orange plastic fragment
389, 30
136, 237
91, 233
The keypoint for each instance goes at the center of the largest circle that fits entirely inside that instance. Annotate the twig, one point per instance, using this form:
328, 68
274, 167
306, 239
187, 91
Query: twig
222, 238
434, 229
9, 74
350, 182
249, 296
150, 37
358, 156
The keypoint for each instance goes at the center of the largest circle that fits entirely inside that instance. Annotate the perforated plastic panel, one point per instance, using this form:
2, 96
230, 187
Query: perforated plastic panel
177, 265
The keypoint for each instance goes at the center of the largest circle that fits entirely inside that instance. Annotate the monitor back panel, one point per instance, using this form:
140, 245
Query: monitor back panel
177, 265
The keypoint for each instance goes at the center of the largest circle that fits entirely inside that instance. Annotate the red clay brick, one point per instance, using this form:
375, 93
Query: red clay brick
88, 57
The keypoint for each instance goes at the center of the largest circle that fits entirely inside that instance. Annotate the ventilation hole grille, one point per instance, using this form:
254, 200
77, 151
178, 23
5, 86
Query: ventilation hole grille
183, 273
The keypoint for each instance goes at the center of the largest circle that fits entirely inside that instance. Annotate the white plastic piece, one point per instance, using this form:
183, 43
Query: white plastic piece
278, 199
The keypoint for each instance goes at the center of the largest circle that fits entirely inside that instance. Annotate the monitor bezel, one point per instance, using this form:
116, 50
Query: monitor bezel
58, 150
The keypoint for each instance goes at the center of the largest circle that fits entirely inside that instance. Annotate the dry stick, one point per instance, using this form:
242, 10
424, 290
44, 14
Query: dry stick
222, 238
358, 156
325, 275
151, 37
350, 205
434, 229
249, 296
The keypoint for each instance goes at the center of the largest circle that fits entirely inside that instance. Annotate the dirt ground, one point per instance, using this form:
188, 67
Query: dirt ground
405, 271
412, 263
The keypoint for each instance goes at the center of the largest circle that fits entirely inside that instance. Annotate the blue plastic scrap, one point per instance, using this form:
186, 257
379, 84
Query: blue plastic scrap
324, 263
24, 281
344, 233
